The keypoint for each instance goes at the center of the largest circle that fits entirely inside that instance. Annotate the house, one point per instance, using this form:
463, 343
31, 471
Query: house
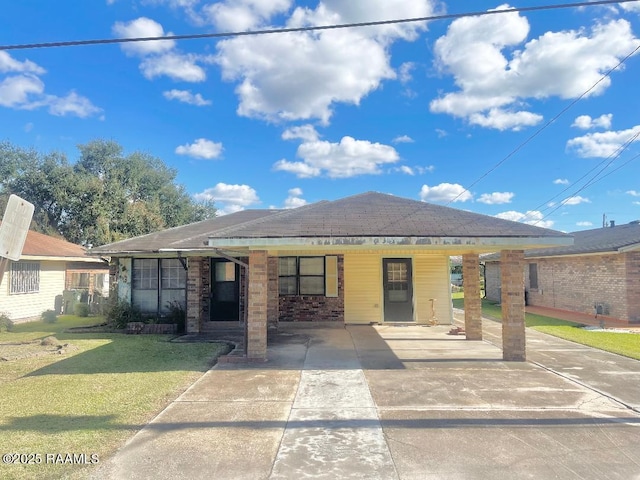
50, 274
368, 258
598, 274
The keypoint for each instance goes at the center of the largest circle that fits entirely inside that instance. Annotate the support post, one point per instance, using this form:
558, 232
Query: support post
257, 306
472, 302
513, 326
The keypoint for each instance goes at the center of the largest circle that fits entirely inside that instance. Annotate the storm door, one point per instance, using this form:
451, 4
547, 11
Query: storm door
225, 290
398, 290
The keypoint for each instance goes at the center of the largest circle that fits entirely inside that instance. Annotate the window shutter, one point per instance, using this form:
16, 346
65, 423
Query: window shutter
331, 276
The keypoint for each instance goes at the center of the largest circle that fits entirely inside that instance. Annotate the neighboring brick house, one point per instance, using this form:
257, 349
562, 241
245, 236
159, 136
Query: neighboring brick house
598, 274
368, 258
47, 267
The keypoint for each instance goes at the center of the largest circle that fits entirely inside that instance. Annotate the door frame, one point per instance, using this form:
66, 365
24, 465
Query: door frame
213, 261
411, 280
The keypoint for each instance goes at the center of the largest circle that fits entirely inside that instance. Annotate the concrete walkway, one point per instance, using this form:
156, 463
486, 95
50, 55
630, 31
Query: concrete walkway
396, 402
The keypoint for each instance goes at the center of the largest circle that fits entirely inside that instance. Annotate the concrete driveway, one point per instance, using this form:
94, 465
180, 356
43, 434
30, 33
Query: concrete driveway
397, 402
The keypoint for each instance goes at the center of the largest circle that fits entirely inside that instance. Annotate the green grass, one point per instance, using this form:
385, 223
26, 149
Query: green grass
92, 399
621, 343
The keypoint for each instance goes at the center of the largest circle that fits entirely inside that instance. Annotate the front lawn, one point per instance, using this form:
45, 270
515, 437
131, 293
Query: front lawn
91, 398
621, 343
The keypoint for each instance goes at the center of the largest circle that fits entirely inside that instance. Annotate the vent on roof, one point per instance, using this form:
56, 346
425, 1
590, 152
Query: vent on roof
612, 223
634, 222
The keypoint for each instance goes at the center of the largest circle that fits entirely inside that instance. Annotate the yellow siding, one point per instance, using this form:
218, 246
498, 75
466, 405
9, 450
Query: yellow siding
363, 302
363, 288
30, 305
431, 281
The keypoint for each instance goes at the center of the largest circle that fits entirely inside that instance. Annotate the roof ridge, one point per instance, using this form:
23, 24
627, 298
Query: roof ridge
258, 221
241, 224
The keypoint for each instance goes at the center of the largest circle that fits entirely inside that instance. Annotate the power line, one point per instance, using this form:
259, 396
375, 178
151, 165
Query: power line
544, 127
595, 178
106, 41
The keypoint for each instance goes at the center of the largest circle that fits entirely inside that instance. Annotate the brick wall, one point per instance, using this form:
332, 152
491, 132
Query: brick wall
513, 330
313, 308
198, 288
257, 318
472, 303
492, 281
632, 264
577, 283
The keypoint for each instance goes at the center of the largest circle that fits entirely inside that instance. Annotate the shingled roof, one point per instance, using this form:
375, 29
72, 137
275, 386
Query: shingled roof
41, 245
597, 240
369, 214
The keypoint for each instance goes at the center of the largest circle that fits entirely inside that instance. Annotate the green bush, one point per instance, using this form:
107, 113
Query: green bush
177, 315
5, 323
49, 316
82, 309
119, 313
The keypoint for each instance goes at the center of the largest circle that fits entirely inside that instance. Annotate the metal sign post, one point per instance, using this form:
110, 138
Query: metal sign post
13, 230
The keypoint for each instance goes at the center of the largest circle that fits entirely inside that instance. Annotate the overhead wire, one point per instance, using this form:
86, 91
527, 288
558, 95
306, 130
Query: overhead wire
545, 126
311, 28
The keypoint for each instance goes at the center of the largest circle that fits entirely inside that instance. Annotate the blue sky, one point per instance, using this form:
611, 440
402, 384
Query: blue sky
422, 111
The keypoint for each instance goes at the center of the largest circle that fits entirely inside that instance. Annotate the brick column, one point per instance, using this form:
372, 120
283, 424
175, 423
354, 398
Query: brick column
257, 321
194, 295
472, 302
513, 332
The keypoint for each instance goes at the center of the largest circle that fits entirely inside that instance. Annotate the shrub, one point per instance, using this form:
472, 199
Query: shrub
49, 316
5, 323
82, 309
119, 313
176, 315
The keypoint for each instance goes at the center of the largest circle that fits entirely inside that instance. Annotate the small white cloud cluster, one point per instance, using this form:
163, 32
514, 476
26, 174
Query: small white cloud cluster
531, 217
201, 148
23, 89
347, 158
229, 198
159, 57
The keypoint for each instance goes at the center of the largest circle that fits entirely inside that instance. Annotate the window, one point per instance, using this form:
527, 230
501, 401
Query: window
158, 282
533, 276
79, 280
25, 277
308, 276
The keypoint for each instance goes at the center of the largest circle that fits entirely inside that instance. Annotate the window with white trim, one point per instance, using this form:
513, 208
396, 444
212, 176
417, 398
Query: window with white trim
308, 276
25, 278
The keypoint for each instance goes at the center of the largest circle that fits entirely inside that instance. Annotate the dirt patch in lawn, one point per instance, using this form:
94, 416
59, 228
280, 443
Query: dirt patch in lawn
10, 351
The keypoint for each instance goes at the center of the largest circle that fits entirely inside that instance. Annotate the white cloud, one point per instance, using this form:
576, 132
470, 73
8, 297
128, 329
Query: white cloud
602, 144
348, 158
159, 57
630, 7
406, 169
577, 200
493, 86
72, 104
496, 198
584, 224
531, 217
403, 139
445, 192
201, 148
633, 193
294, 199
636, 203
17, 91
10, 64
242, 15
404, 72
27, 92
142, 27
441, 133
585, 122
231, 198
561, 181
303, 132
300, 76
185, 96
174, 65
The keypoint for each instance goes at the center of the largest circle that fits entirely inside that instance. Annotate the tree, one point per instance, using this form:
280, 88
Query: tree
104, 197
